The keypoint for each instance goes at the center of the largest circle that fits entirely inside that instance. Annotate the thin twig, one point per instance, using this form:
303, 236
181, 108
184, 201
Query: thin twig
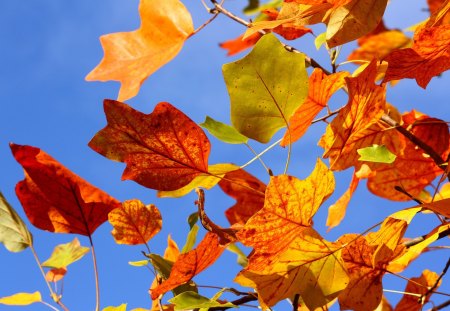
295, 302
204, 24
441, 306
435, 285
49, 305
260, 159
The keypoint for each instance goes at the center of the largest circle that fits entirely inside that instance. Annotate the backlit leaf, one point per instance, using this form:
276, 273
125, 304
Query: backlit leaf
21, 299
130, 57
321, 88
163, 150
241, 257
135, 223
376, 153
57, 200
192, 300
264, 93
190, 264
140, 263
190, 239
55, 275
223, 132
122, 307
66, 254
14, 233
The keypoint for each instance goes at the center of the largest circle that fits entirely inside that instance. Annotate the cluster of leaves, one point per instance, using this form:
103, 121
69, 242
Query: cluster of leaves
400, 155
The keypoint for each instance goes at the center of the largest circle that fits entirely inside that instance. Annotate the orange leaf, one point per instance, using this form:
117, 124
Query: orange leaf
164, 150
358, 124
240, 44
57, 200
412, 170
248, 192
336, 212
321, 88
191, 263
130, 57
288, 209
55, 275
418, 286
134, 223
172, 251
428, 57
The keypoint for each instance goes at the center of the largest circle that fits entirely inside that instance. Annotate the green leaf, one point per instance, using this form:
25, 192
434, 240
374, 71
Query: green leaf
320, 40
251, 9
376, 153
191, 300
122, 307
241, 257
190, 239
21, 299
65, 254
265, 88
14, 233
139, 263
252, 5
192, 219
223, 132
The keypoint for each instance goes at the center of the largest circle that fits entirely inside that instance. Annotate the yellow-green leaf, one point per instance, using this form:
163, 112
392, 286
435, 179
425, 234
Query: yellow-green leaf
223, 132
21, 299
265, 88
14, 233
190, 239
139, 263
65, 254
376, 153
320, 40
192, 300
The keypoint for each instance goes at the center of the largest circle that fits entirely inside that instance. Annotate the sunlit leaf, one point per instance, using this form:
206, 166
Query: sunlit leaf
55, 275
122, 307
419, 286
190, 239
66, 254
376, 153
223, 132
320, 40
241, 257
263, 94
21, 299
163, 150
14, 233
135, 223
130, 57
140, 263
192, 300
57, 200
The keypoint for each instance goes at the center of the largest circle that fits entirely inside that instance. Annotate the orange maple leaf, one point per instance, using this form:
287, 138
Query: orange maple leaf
248, 192
321, 88
358, 124
420, 286
57, 200
164, 150
191, 263
130, 57
134, 223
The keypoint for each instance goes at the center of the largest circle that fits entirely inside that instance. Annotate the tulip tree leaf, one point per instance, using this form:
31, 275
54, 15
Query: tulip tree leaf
223, 132
376, 153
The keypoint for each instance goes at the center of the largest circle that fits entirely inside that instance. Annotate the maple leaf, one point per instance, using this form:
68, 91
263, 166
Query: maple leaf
248, 192
130, 57
321, 88
358, 124
420, 286
164, 150
263, 93
57, 200
310, 266
191, 263
412, 169
288, 209
134, 223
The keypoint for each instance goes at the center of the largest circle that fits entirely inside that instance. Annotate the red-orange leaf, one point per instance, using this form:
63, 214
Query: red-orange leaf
134, 223
248, 192
57, 200
164, 150
321, 88
191, 263
417, 286
240, 44
130, 57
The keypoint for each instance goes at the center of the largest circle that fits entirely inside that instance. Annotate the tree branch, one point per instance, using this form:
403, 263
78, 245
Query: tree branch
238, 302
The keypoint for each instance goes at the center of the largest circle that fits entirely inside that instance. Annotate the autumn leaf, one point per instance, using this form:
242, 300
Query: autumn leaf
190, 264
358, 124
122, 307
192, 300
223, 132
55, 275
66, 254
57, 200
310, 266
14, 233
135, 223
376, 153
248, 192
21, 299
288, 209
419, 286
239, 44
131, 57
263, 94
321, 88
163, 150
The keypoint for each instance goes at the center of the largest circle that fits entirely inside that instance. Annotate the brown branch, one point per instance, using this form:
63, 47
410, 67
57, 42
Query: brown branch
295, 302
430, 290
238, 302
422, 238
218, 8
441, 306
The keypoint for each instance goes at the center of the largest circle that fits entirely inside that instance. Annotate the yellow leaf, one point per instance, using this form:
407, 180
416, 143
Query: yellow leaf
21, 299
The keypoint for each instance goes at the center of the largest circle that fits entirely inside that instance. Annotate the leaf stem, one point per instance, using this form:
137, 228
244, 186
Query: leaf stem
261, 153
260, 159
97, 286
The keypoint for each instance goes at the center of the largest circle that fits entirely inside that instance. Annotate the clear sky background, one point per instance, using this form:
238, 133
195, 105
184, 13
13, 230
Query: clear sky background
48, 47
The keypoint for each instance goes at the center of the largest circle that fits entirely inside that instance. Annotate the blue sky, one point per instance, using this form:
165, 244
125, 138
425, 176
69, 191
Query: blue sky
48, 47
